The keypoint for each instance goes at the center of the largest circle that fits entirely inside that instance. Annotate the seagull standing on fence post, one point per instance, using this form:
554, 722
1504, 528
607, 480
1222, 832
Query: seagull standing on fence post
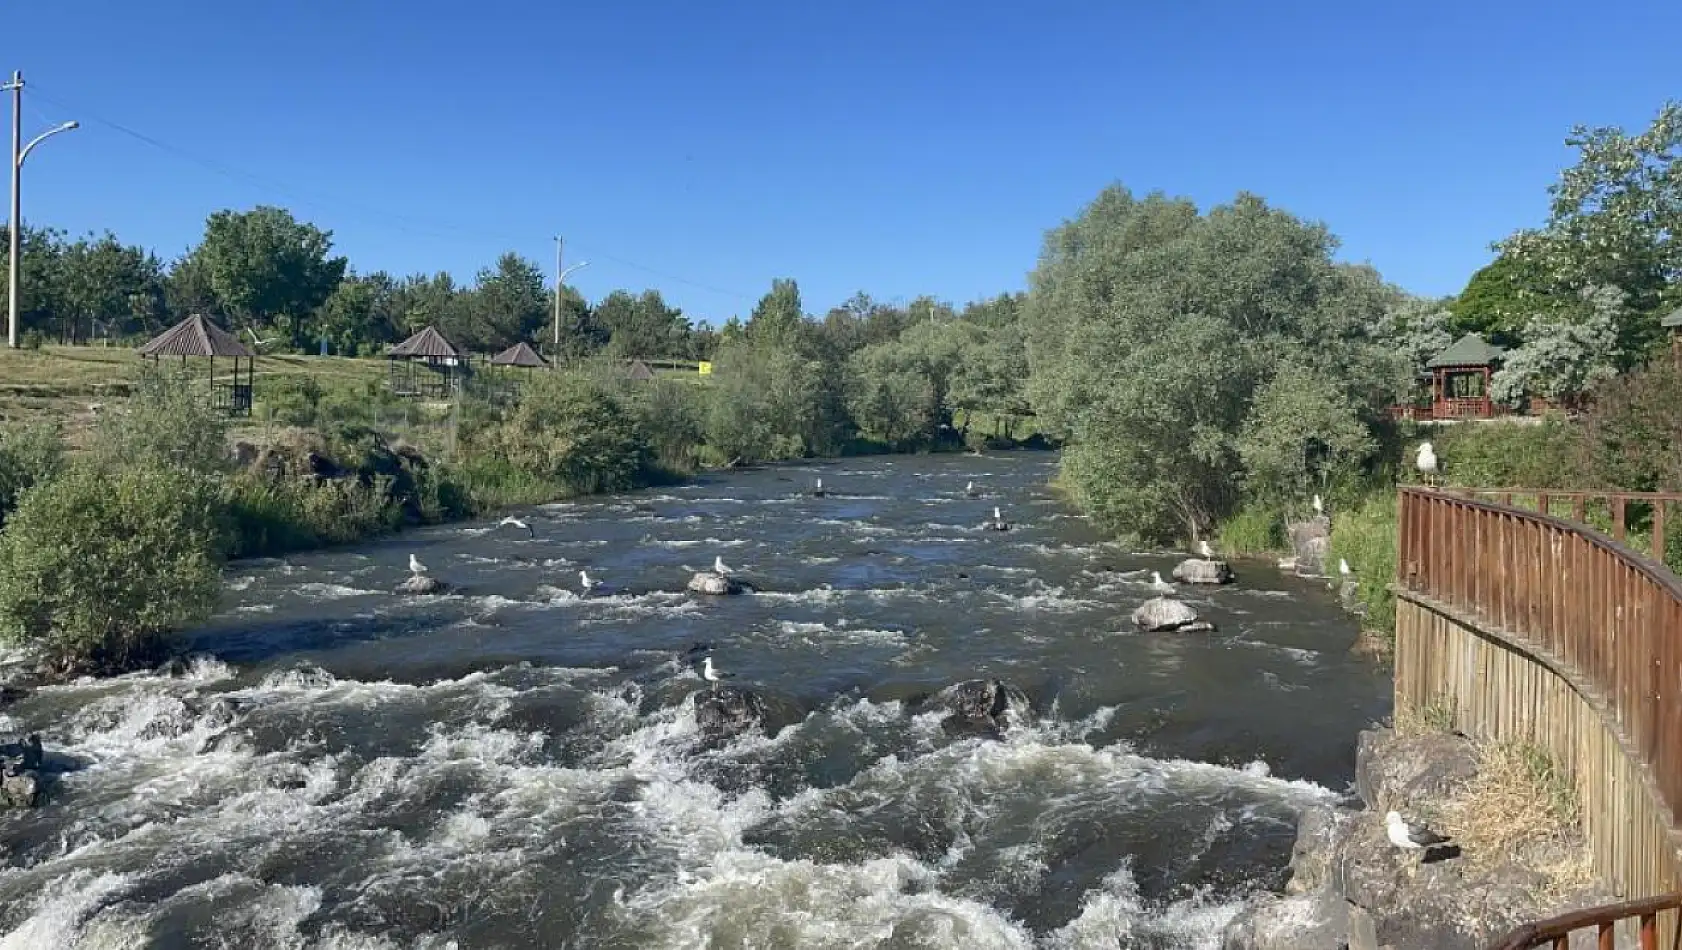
1426, 462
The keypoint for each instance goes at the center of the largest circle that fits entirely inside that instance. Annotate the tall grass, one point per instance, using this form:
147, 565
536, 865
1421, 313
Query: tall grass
1365, 536
1257, 529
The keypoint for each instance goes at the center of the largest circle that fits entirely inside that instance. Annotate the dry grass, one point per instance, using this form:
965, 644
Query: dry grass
1437, 716
1520, 805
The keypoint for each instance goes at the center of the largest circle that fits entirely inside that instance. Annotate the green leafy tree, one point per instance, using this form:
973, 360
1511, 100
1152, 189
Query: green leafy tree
1300, 432
778, 317
98, 565
361, 316
29, 454
1498, 300
1564, 353
509, 304
642, 326
104, 284
768, 402
571, 430
891, 397
40, 298
188, 290
268, 268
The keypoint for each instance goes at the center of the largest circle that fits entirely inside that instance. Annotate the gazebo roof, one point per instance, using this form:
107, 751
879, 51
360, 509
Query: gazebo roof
1469, 350
195, 336
520, 354
428, 343
1674, 321
639, 370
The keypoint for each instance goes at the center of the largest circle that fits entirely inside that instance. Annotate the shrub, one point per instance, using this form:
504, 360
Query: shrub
671, 414
167, 424
1634, 430
1548, 455
572, 431
1256, 529
99, 566
1365, 536
29, 454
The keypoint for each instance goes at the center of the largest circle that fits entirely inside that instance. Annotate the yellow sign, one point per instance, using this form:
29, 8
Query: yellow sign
705, 367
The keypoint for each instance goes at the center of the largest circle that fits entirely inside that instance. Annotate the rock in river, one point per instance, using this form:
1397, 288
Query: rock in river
711, 582
725, 711
1160, 614
421, 584
20, 783
981, 707
1195, 570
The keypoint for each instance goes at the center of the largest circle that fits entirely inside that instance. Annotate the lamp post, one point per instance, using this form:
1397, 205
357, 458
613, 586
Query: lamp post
14, 228
560, 277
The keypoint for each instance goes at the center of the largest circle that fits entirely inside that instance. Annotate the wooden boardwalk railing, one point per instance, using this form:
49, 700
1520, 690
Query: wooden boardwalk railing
1556, 932
1531, 628
1656, 507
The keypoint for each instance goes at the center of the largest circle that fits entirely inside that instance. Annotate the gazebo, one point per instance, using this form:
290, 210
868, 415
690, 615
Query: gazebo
198, 338
1673, 326
519, 358
426, 365
1460, 379
638, 370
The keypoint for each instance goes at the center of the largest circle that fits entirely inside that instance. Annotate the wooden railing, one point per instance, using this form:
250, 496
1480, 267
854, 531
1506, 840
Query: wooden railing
1535, 629
1651, 509
1556, 933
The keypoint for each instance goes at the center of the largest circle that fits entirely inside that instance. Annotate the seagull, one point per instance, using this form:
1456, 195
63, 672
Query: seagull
585, 581
512, 522
1159, 585
1205, 550
710, 674
1411, 837
1319, 506
719, 567
817, 488
969, 489
416, 567
1343, 568
1426, 462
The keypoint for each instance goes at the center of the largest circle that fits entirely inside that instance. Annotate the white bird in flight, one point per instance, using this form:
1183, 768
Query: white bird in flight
1319, 506
719, 566
1426, 462
710, 674
1410, 837
415, 566
1204, 549
512, 522
1159, 585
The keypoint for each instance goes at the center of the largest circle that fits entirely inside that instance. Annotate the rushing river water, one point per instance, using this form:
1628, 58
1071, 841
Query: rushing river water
513, 766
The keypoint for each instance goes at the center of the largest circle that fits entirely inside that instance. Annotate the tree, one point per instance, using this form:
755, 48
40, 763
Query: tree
267, 268
1419, 329
571, 430
1564, 353
361, 315
768, 403
1614, 221
40, 298
642, 326
188, 289
777, 318
509, 304
1152, 330
1299, 432
1498, 299
102, 281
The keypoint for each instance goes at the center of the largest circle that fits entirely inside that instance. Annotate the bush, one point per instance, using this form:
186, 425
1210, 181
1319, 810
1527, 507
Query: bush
1365, 536
572, 431
29, 454
1549, 455
99, 566
671, 414
1634, 430
167, 424
1256, 529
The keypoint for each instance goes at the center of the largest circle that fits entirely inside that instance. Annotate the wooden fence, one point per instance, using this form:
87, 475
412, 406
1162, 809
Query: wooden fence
1650, 512
1527, 627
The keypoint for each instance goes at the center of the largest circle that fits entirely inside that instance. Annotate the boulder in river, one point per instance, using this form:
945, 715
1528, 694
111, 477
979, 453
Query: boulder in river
20, 777
725, 711
1162, 614
1310, 542
421, 584
711, 582
981, 707
1196, 570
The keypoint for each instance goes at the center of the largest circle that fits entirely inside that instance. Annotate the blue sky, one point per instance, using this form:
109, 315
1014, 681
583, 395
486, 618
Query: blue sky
895, 147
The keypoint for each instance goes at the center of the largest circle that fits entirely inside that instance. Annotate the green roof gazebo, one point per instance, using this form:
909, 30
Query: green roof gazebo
1460, 379
197, 337
1673, 327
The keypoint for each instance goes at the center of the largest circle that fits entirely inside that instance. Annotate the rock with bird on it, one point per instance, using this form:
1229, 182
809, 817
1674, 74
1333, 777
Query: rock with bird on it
712, 582
422, 584
1197, 570
1165, 614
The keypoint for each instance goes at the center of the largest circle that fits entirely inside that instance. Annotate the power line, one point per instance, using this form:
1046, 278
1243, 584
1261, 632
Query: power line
335, 204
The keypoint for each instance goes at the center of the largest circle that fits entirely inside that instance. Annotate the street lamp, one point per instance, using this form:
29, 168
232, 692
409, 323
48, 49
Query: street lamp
560, 279
14, 228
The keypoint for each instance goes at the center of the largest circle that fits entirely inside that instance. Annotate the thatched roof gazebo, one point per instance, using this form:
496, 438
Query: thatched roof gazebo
426, 364
198, 338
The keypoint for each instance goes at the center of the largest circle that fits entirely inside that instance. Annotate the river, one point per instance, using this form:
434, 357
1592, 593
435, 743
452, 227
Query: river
512, 765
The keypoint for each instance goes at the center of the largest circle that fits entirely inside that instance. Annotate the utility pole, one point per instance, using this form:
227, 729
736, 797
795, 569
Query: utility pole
14, 228
556, 355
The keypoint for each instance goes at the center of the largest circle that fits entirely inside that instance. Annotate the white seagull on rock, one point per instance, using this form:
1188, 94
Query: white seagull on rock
1411, 837
719, 566
587, 582
512, 522
1159, 585
1319, 506
1204, 549
710, 674
416, 567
